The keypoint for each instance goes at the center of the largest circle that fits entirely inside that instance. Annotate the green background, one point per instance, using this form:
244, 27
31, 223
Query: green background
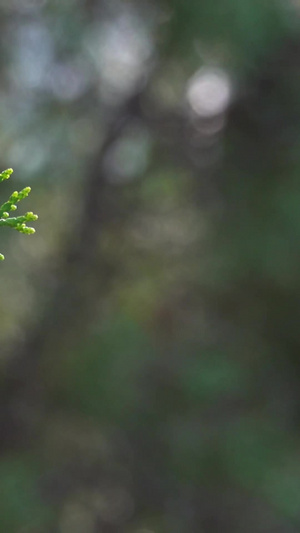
150, 339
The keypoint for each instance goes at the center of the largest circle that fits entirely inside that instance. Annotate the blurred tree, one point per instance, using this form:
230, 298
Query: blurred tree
154, 384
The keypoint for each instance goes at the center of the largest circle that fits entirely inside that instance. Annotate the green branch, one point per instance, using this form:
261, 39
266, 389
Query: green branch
17, 223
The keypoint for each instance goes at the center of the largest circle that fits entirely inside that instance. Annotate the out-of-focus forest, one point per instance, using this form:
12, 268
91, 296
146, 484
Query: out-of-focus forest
150, 330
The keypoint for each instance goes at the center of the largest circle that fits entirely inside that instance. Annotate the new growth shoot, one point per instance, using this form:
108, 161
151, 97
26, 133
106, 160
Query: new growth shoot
17, 223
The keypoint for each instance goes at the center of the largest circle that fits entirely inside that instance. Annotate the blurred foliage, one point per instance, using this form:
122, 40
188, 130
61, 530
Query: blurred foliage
242, 31
150, 334
21, 505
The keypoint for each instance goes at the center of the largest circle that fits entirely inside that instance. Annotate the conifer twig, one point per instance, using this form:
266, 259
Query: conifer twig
18, 223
